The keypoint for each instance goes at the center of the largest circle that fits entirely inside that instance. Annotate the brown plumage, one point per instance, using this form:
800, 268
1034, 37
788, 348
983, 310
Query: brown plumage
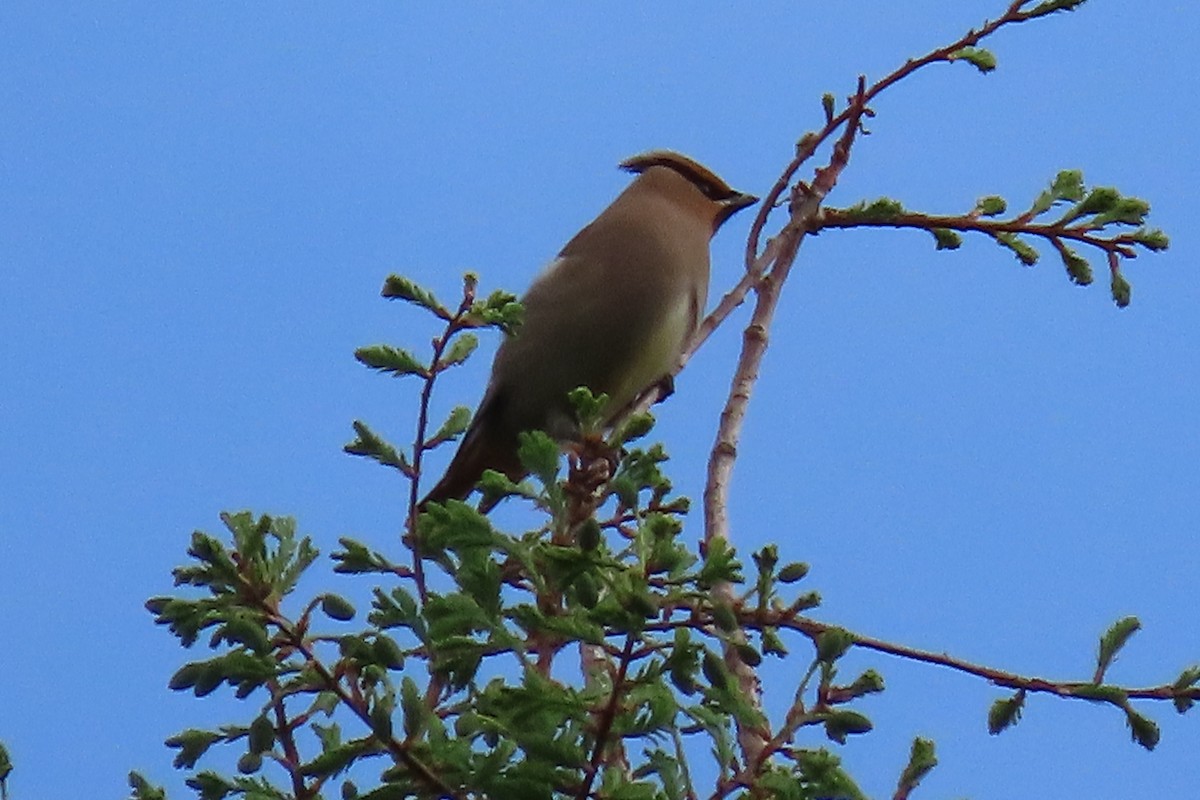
612, 312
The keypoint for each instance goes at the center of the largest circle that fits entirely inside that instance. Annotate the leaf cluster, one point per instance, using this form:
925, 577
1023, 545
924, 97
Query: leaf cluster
453, 690
1094, 217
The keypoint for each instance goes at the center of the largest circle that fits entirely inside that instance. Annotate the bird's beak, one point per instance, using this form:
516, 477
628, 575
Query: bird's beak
740, 201
732, 205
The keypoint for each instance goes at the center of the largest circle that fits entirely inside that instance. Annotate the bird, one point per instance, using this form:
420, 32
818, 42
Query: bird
612, 312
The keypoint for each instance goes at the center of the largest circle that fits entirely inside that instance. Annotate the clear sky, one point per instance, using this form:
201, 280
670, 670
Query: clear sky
199, 203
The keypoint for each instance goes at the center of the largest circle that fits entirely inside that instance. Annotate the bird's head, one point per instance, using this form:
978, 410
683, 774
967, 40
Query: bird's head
726, 200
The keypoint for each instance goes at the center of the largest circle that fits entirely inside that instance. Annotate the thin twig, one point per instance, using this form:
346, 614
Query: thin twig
454, 324
1085, 233
756, 262
356, 703
284, 734
805, 203
756, 620
606, 720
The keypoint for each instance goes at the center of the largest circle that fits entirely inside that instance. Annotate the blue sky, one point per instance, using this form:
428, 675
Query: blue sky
198, 204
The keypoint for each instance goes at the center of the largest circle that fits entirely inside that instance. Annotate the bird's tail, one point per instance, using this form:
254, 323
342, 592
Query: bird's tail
481, 449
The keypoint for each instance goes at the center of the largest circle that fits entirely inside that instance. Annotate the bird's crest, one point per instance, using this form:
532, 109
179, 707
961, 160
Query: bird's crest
704, 178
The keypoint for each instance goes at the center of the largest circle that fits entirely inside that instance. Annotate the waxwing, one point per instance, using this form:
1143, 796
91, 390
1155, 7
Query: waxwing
612, 312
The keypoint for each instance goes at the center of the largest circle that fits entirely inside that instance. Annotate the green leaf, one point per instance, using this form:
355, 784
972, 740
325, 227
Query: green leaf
714, 669
827, 103
832, 644
357, 558
724, 618
921, 759
1127, 211
589, 408
634, 427
1112, 641
870, 682
185, 677
1020, 248
991, 206
585, 591
1068, 185
1078, 268
1100, 200
822, 776
1185, 682
682, 661
748, 654
1006, 712
539, 454
639, 600
261, 736
369, 444
387, 653
218, 569
396, 287
772, 644
983, 60
243, 628
455, 424
142, 788
1101, 693
1121, 290
720, 564
454, 614
380, 717
765, 560
805, 601
412, 704
500, 310
793, 572
459, 350
1152, 239
192, 744
385, 358
249, 763
588, 535
668, 769
626, 789
1051, 6
1189, 677
337, 607
881, 210
840, 724
240, 668
334, 760
639, 470
456, 526
946, 239
495, 486
1144, 730
1043, 203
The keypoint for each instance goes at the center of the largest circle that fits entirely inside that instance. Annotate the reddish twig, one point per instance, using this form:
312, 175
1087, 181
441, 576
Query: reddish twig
604, 727
810, 628
454, 324
1084, 233
358, 706
758, 258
